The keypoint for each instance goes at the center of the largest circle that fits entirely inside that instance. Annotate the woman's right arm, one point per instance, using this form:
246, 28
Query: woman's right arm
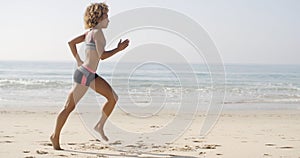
72, 45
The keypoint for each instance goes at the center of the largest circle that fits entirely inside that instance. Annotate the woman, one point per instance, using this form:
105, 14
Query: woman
95, 19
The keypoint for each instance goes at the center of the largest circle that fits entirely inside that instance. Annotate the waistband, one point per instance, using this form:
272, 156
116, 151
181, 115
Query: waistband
85, 69
89, 69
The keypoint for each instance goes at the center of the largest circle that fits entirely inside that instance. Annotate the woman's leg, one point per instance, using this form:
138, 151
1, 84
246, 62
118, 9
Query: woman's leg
74, 96
103, 88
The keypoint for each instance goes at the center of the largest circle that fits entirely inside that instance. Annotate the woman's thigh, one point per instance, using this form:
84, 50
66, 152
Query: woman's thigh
103, 88
77, 92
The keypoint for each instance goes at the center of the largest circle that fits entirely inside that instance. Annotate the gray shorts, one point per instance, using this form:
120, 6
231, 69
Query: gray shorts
84, 76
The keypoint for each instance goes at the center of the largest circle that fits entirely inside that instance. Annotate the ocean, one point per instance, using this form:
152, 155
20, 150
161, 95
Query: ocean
24, 83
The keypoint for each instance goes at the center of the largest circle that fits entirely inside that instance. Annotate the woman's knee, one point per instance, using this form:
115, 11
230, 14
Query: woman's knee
70, 103
116, 97
69, 108
113, 98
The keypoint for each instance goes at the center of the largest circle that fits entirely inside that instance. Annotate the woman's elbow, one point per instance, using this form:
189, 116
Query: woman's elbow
102, 58
70, 43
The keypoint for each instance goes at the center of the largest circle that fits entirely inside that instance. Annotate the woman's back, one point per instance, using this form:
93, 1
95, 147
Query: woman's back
92, 57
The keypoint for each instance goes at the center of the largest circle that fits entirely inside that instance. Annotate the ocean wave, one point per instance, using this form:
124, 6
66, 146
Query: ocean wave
274, 100
32, 84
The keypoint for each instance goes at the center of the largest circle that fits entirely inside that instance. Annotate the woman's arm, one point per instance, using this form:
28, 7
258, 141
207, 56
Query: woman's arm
107, 54
121, 46
72, 45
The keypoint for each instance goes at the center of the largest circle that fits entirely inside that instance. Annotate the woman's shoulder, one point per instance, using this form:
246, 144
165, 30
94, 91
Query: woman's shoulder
86, 32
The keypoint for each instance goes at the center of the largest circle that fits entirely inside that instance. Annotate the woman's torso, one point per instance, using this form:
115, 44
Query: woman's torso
92, 57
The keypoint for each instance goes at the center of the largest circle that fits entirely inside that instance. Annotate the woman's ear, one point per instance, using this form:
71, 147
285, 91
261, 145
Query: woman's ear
104, 16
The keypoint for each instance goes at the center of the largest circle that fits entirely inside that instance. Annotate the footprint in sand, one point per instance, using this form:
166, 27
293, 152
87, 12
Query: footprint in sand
201, 153
156, 146
118, 142
97, 140
131, 146
8, 141
197, 141
41, 152
46, 144
63, 155
210, 146
7, 136
103, 147
286, 147
270, 144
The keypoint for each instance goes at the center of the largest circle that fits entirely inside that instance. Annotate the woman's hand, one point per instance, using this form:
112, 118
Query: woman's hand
122, 45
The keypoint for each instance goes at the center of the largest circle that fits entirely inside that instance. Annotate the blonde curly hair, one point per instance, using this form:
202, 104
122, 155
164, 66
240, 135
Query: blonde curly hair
93, 13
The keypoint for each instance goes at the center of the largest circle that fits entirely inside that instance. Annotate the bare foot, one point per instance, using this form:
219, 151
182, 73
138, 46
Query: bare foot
99, 129
55, 143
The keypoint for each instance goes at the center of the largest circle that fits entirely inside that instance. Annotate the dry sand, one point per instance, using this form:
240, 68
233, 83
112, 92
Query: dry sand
238, 134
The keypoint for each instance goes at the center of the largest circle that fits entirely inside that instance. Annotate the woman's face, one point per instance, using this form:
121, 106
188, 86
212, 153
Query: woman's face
104, 21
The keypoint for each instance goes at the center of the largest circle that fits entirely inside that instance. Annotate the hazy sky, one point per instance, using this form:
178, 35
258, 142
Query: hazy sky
244, 31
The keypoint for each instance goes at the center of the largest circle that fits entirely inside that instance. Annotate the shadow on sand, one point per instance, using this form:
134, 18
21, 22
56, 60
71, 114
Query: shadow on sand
131, 154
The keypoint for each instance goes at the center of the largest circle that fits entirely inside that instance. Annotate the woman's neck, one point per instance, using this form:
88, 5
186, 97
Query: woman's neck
98, 27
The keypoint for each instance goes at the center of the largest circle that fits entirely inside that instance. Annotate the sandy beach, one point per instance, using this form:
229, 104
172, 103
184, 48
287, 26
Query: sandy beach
25, 133
203, 79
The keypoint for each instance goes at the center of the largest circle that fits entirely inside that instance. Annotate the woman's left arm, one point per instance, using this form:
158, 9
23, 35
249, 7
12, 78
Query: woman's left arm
72, 45
121, 46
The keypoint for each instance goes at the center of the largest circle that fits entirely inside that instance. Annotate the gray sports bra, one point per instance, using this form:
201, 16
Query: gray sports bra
90, 44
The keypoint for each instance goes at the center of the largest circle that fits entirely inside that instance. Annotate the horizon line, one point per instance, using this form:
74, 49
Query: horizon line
228, 63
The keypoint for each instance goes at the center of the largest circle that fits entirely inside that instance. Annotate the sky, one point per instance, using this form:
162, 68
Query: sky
244, 31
